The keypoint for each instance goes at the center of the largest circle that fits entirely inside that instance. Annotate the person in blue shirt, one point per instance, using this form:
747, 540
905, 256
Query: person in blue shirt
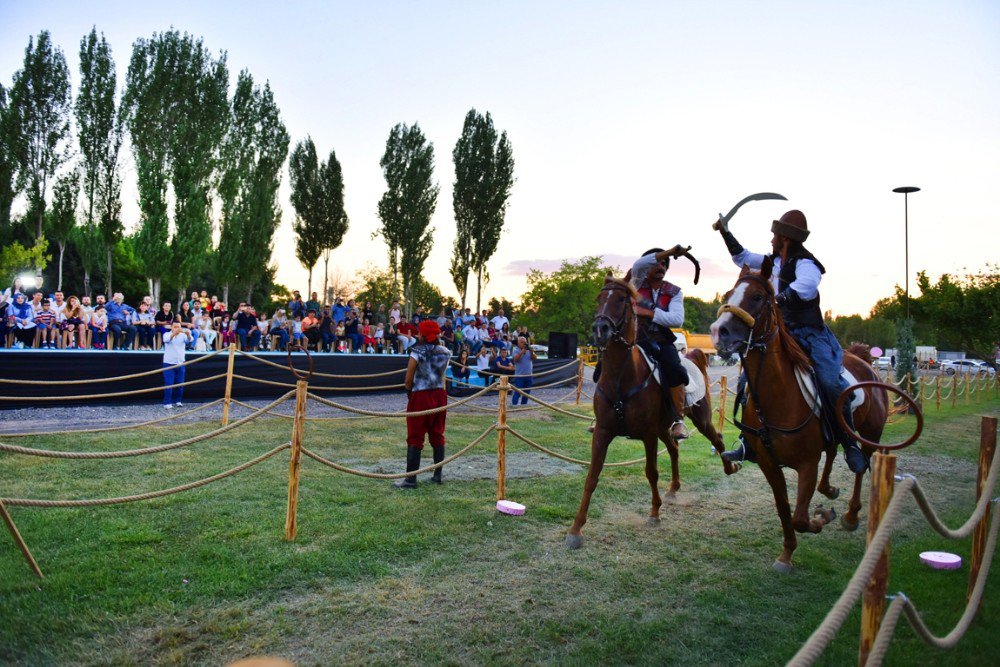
119, 316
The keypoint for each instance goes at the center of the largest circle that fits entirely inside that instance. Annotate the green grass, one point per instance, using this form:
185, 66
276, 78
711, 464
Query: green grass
436, 575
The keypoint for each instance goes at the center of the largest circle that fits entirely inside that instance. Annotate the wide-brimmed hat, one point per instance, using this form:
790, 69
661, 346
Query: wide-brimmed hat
430, 330
791, 225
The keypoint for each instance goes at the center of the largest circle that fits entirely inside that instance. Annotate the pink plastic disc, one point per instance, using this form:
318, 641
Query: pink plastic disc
941, 560
876, 352
510, 507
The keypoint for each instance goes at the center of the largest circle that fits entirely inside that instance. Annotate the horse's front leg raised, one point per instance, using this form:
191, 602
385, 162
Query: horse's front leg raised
776, 478
831, 492
653, 476
801, 520
598, 451
675, 471
850, 520
701, 416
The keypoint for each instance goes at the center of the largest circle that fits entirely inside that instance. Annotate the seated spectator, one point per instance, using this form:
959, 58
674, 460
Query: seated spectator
74, 325
246, 327
280, 328
58, 305
484, 363
24, 321
381, 317
226, 330
45, 323
310, 327
119, 315
99, 327
448, 335
503, 365
470, 337
219, 310
391, 338
505, 336
296, 306
327, 330
341, 336
368, 337
164, 318
380, 337
460, 369
262, 326
395, 313
298, 335
195, 300
367, 313
339, 310
205, 301
206, 333
313, 305
351, 329
186, 318
406, 335
145, 326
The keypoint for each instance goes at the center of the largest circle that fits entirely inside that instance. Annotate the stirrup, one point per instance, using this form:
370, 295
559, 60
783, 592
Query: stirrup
679, 431
739, 454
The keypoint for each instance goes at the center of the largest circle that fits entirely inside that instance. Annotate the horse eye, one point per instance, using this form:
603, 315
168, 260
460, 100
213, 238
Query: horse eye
757, 297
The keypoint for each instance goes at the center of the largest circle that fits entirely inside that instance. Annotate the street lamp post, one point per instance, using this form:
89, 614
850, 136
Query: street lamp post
905, 190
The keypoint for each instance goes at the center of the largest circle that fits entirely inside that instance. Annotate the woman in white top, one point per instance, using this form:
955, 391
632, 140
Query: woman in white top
174, 342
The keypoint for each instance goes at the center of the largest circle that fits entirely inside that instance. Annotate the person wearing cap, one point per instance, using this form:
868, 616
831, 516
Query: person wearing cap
661, 307
424, 384
796, 277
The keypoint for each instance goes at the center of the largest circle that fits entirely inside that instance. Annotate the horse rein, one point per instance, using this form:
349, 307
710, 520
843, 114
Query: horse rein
617, 326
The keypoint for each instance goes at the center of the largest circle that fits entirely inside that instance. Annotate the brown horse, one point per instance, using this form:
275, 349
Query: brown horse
628, 401
782, 426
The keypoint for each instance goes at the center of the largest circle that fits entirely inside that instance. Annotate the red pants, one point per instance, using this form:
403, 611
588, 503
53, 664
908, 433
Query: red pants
431, 425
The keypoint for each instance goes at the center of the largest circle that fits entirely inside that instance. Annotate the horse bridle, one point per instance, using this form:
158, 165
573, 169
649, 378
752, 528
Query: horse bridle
770, 329
617, 326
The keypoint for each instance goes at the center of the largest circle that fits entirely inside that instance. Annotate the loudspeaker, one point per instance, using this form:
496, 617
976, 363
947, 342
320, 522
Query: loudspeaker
562, 345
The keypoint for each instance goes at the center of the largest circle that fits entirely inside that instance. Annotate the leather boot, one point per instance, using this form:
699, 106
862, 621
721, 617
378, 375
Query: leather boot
438, 457
856, 459
740, 453
412, 463
678, 430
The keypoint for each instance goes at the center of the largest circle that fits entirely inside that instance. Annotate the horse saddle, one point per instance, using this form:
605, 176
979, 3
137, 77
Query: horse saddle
807, 385
694, 390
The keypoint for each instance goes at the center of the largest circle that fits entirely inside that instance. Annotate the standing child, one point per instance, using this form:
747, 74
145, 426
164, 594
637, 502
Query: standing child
99, 325
226, 331
48, 329
369, 336
174, 343
424, 383
297, 335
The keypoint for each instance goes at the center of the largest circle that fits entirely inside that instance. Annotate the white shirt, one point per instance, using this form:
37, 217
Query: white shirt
807, 274
673, 316
173, 346
470, 333
499, 321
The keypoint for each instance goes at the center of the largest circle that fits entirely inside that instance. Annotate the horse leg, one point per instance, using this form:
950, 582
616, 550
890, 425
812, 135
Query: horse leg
701, 416
831, 492
598, 451
776, 478
850, 519
807, 487
653, 476
675, 473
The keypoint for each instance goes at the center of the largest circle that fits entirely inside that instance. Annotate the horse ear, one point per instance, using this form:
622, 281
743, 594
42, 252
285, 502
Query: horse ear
745, 270
765, 268
628, 276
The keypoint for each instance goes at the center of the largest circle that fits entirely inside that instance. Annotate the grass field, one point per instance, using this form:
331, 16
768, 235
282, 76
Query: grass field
436, 575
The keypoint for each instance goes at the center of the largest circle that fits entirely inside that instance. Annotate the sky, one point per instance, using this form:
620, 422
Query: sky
633, 124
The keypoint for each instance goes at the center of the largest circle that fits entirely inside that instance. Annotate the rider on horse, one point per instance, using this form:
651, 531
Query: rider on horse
660, 307
796, 277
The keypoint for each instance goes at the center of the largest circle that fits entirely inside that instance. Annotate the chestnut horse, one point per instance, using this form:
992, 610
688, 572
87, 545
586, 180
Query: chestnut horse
781, 425
628, 402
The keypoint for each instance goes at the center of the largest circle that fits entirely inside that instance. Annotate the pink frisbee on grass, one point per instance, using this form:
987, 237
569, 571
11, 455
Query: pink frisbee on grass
941, 560
510, 507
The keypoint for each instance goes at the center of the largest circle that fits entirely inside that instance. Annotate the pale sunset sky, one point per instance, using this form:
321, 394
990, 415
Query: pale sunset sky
633, 123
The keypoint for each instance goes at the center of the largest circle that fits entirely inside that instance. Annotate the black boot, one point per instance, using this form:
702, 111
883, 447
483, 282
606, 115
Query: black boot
438, 457
597, 371
412, 463
856, 459
742, 452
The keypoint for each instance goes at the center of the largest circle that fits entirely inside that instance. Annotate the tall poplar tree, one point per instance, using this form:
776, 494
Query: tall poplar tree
62, 217
484, 176
40, 100
304, 172
253, 154
8, 160
408, 204
100, 132
333, 217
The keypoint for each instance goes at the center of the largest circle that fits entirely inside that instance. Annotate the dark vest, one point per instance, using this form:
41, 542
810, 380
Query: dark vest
798, 312
667, 292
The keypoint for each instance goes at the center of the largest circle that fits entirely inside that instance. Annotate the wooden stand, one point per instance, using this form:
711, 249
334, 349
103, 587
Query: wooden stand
873, 600
21, 544
954, 389
295, 460
938, 398
502, 437
723, 391
987, 448
579, 380
229, 384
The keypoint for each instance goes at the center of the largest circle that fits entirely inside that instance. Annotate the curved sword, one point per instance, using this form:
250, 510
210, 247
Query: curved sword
723, 221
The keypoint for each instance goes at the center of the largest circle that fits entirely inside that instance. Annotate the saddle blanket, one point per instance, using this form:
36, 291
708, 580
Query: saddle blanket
694, 390
808, 389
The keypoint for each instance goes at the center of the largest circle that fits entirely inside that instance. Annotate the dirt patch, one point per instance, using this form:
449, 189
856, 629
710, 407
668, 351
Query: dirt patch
520, 465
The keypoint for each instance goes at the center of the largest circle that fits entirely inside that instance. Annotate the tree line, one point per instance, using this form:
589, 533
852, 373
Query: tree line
208, 165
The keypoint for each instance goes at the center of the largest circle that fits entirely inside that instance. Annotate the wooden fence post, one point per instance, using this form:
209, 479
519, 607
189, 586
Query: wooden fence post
295, 460
873, 599
987, 448
21, 544
938, 398
968, 389
579, 381
723, 390
502, 437
954, 389
229, 384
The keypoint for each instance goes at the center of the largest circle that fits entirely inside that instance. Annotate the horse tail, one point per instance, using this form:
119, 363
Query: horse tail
698, 358
861, 351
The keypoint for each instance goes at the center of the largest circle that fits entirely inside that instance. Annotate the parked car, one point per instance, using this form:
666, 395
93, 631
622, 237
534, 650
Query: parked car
970, 366
883, 363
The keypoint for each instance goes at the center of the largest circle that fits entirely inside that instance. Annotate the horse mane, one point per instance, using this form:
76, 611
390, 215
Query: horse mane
621, 283
861, 351
795, 353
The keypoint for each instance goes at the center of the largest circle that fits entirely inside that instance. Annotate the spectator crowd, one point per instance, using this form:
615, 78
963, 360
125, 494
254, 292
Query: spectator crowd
32, 319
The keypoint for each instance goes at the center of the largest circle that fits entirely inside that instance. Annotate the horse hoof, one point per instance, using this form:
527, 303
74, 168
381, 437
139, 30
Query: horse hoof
574, 541
735, 468
781, 567
833, 493
652, 521
828, 515
847, 525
